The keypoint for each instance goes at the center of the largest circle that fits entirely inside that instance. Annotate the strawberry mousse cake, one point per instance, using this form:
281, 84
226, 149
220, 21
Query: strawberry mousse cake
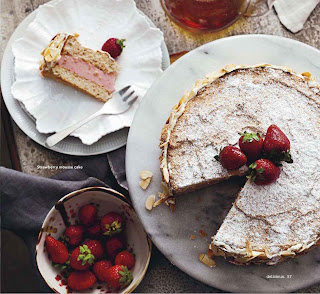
92, 72
276, 215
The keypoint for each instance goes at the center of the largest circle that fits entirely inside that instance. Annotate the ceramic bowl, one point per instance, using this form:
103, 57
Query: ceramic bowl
106, 200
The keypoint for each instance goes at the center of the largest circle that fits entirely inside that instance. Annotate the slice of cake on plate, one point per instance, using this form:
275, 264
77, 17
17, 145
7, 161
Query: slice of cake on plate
92, 72
266, 224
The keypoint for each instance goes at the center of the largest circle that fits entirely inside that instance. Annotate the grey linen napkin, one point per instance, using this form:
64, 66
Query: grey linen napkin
117, 163
26, 199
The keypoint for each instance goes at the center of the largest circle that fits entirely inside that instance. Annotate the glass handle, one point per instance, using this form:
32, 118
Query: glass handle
257, 8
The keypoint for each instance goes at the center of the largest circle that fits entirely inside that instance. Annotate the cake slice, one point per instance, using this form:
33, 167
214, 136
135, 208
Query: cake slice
92, 72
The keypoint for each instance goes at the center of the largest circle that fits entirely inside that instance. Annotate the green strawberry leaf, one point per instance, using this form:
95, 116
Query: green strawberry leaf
253, 165
277, 157
126, 277
121, 43
254, 172
249, 137
86, 255
217, 157
113, 229
64, 239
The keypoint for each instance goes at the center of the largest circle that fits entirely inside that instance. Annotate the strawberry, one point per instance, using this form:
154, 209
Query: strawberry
113, 46
57, 250
87, 214
125, 258
277, 145
73, 235
113, 246
118, 276
94, 231
112, 223
100, 268
231, 158
81, 258
96, 248
81, 280
251, 144
263, 172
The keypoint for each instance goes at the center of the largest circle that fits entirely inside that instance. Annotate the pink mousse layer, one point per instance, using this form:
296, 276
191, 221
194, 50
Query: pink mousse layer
88, 71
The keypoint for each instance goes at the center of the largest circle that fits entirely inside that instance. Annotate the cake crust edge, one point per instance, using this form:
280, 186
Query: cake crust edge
178, 110
246, 255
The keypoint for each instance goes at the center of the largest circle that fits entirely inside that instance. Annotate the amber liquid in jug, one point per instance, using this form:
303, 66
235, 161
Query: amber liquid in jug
207, 15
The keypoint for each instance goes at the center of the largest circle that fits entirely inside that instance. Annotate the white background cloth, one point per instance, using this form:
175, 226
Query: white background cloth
293, 13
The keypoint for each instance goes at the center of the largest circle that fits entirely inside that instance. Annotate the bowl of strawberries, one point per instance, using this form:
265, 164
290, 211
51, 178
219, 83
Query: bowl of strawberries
93, 242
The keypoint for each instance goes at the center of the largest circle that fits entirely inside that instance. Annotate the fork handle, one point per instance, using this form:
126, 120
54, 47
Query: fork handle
57, 137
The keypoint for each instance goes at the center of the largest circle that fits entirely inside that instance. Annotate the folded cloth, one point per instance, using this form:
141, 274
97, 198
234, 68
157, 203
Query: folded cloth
27, 199
117, 163
293, 13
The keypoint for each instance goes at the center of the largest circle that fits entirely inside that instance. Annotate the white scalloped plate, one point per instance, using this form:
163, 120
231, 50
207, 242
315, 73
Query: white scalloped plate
63, 104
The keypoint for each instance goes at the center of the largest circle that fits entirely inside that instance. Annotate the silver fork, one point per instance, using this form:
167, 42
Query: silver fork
121, 102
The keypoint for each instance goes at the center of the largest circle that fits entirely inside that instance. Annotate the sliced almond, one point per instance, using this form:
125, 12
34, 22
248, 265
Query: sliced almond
145, 174
158, 202
165, 189
205, 259
150, 201
306, 74
162, 196
145, 183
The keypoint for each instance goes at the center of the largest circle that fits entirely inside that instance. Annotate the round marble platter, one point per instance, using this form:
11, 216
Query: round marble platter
205, 209
71, 145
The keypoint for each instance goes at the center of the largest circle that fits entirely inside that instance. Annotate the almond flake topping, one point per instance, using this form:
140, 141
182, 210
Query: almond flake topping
205, 259
145, 174
145, 183
150, 201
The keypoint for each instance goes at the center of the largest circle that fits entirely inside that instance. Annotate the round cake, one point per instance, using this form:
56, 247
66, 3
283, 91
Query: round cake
266, 223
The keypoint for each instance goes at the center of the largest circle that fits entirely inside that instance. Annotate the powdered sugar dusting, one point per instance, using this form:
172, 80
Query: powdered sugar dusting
279, 215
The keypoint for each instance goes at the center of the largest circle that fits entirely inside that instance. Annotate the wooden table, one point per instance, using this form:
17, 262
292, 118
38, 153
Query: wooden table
26, 154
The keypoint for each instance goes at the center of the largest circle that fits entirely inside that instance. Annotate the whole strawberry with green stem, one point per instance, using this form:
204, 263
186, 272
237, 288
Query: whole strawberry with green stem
112, 223
263, 172
81, 258
276, 145
113, 46
58, 252
118, 276
231, 157
251, 144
